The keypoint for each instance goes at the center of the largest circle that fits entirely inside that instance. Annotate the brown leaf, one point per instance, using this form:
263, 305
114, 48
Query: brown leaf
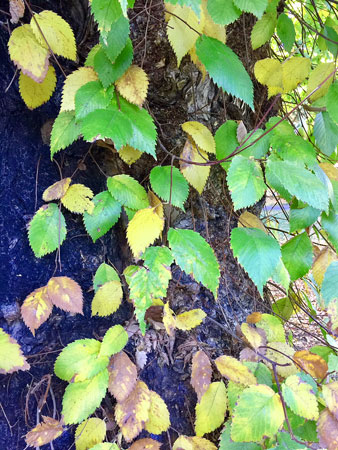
36, 308
327, 429
133, 413
145, 444
248, 355
314, 364
56, 190
122, 376
330, 395
201, 373
17, 10
66, 294
254, 317
44, 433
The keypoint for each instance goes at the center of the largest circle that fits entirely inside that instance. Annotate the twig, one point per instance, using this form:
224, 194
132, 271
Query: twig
182, 20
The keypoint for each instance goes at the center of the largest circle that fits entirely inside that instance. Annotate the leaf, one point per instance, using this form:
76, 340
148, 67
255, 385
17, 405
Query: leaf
317, 76
201, 135
89, 433
255, 337
249, 220
329, 291
197, 176
300, 397
210, 411
326, 133
263, 30
194, 255
302, 217
11, 357
127, 191
114, 41
273, 328
227, 444
286, 31
113, 341
159, 419
122, 376
64, 132
107, 299
256, 252
190, 319
105, 446
91, 96
169, 320
156, 203
80, 361
332, 102
261, 372
105, 214
27, 54
181, 37
256, 7
72, 84
104, 274
56, 190
299, 182
44, 432
234, 370
223, 12
77, 199
225, 68
164, 179
245, 181
193, 443
133, 413
283, 355
81, 399
295, 70
66, 294
36, 308
16, 10
297, 255
313, 364
330, 395
133, 85
254, 403
36, 94
321, 263
226, 141
145, 444
285, 308
201, 372
106, 13
327, 428
143, 229
157, 258
129, 154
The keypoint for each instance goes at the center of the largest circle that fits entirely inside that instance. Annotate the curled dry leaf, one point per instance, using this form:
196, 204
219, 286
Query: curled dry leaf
66, 294
16, 9
56, 190
200, 373
36, 308
45, 432
122, 376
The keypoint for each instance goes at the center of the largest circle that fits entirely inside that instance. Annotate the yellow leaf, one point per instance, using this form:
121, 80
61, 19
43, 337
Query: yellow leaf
234, 370
201, 135
16, 9
184, 442
314, 364
321, 263
169, 320
268, 71
107, 299
72, 83
11, 357
66, 294
36, 94
210, 28
44, 432
193, 443
133, 85
89, 433
249, 220
77, 199
197, 176
156, 203
159, 420
330, 170
254, 317
36, 308
318, 75
210, 411
181, 37
129, 154
194, 58
57, 32
300, 397
294, 71
190, 319
255, 337
143, 229
26, 52
56, 190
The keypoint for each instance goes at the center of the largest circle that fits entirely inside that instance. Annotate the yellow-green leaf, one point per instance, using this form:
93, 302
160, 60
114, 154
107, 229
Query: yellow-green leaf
159, 419
169, 320
249, 220
89, 433
299, 396
56, 190
201, 135
107, 299
317, 76
282, 354
129, 154
195, 175
77, 199
210, 411
11, 357
36, 94
321, 263
193, 443
133, 85
234, 370
255, 337
72, 83
190, 319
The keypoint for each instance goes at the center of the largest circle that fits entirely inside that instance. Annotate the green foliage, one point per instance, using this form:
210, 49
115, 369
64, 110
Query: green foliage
170, 185
297, 255
256, 7
106, 13
91, 96
128, 192
263, 30
226, 141
65, 131
104, 274
302, 216
286, 31
222, 12
114, 41
326, 133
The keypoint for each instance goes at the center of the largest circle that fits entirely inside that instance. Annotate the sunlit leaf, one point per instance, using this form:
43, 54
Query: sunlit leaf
78, 199
36, 94
11, 357
159, 419
211, 409
36, 308
133, 85
107, 299
89, 433
73, 82
300, 397
234, 370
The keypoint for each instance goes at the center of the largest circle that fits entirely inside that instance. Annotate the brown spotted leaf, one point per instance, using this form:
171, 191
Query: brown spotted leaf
327, 429
314, 364
200, 373
132, 414
66, 294
122, 376
330, 394
36, 308
234, 370
159, 419
56, 190
145, 444
16, 9
44, 433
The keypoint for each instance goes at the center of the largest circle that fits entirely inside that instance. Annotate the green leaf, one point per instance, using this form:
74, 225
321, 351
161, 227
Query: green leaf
109, 72
89, 62
300, 397
47, 230
64, 132
156, 257
223, 12
114, 41
330, 283
226, 141
332, 102
294, 149
326, 133
323, 351
80, 360
273, 328
225, 68
127, 191
113, 341
284, 307
256, 7
281, 275
162, 178
105, 214
330, 225
195, 256
302, 217
285, 442
105, 446
261, 372
106, 13
91, 96
81, 399
257, 253
255, 402
245, 181
11, 357
260, 148
211, 409
227, 444
297, 255
195, 5
107, 123
286, 31
104, 274
300, 182
263, 30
